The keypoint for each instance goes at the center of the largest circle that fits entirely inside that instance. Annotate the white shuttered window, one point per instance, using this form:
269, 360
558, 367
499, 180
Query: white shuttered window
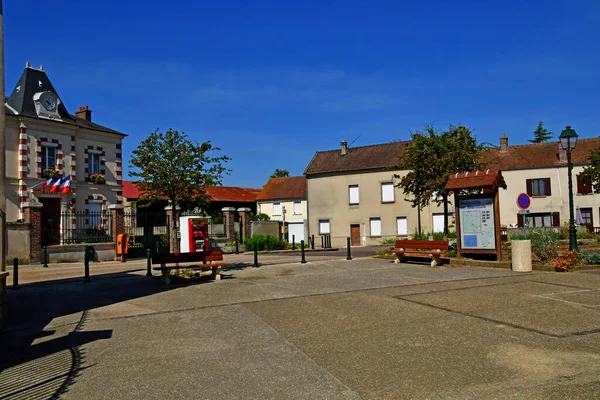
297, 207
375, 224
324, 226
353, 189
276, 208
387, 192
402, 226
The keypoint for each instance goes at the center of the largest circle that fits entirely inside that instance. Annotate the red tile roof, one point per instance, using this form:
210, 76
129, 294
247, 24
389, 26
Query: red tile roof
229, 193
382, 156
293, 187
217, 193
477, 179
130, 190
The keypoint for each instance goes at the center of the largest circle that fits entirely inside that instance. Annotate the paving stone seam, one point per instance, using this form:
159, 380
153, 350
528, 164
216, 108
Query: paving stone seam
495, 321
293, 346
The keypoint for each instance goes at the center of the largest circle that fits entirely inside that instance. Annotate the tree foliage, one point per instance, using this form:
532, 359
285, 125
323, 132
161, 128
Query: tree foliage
591, 173
170, 166
280, 173
541, 134
431, 157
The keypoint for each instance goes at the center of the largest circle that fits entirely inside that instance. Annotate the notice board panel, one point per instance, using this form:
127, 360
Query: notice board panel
477, 224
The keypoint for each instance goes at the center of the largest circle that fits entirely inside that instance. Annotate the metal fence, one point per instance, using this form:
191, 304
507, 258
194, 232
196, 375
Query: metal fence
76, 227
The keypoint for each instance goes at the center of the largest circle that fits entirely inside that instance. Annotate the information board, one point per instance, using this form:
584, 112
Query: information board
477, 224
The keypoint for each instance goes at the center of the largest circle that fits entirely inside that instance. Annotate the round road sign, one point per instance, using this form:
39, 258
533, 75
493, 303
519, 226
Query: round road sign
523, 201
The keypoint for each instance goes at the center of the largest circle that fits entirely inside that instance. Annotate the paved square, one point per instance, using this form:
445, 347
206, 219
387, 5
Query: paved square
329, 329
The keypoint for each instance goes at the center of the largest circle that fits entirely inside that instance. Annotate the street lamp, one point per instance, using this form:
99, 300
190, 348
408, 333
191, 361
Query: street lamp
568, 140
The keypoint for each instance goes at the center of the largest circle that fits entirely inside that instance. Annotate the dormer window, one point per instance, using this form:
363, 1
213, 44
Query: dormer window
46, 105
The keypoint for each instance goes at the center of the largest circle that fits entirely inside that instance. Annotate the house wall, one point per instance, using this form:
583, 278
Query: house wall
328, 198
558, 201
73, 141
266, 207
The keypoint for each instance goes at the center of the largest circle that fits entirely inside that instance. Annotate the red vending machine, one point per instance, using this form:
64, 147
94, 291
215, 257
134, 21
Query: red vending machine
194, 234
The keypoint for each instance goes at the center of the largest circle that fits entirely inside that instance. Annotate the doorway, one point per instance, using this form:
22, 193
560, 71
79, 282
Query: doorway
355, 234
50, 221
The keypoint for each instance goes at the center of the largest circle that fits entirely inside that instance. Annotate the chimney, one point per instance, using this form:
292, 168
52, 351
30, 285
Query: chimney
344, 145
562, 154
84, 112
503, 142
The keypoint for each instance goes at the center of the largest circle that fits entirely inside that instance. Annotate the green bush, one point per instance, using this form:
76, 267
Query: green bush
264, 242
543, 243
389, 241
590, 258
422, 236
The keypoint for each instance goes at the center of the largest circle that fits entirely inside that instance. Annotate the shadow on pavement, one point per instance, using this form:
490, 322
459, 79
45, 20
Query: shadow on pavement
44, 370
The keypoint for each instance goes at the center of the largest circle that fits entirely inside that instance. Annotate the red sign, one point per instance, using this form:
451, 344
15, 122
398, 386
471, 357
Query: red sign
523, 201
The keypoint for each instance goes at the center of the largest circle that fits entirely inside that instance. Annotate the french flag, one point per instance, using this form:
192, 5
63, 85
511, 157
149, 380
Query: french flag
47, 183
56, 185
65, 185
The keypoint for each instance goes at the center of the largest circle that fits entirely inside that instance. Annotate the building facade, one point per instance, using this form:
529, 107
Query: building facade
352, 192
47, 144
284, 199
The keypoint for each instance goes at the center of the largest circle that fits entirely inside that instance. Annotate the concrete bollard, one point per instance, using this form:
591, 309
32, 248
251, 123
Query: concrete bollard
521, 255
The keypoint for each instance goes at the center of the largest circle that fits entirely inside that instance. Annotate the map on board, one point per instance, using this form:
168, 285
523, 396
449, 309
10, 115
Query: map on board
477, 224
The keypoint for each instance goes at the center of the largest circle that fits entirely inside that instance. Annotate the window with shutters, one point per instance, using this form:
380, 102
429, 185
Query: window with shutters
387, 192
324, 228
583, 187
375, 225
539, 187
353, 191
297, 209
537, 220
276, 208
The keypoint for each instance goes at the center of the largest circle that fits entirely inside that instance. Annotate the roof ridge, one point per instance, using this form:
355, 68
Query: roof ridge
537, 144
368, 145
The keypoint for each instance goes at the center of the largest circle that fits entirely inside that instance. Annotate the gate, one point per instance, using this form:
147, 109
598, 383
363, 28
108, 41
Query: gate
147, 230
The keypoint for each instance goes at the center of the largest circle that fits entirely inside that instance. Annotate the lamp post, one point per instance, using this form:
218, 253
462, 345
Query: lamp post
283, 223
568, 140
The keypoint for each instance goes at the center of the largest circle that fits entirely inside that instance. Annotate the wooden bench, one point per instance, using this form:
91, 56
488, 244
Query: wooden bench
431, 248
205, 257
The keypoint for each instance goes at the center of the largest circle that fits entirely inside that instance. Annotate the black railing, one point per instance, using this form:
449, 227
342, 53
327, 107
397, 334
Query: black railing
76, 227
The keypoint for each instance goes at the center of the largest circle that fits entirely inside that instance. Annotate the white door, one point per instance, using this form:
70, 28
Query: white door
438, 222
296, 229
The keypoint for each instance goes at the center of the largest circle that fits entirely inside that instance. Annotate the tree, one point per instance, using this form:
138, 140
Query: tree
280, 173
591, 173
541, 134
431, 157
169, 166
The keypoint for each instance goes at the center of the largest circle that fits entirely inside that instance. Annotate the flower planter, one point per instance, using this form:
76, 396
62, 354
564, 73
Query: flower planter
521, 255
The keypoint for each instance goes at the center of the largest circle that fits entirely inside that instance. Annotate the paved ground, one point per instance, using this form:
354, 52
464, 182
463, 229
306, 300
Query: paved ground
328, 329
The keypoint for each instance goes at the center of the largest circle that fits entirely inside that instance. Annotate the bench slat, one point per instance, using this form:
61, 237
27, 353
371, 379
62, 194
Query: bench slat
213, 255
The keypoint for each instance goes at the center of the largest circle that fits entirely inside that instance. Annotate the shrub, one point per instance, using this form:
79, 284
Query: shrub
422, 236
566, 261
389, 241
543, 243
589, 258
259, 217
264, 242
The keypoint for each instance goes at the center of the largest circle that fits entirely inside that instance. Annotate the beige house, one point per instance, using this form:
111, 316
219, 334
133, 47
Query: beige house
351, 191
284, 199
44, 142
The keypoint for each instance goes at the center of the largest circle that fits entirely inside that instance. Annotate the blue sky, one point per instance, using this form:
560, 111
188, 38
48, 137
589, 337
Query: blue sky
272, 82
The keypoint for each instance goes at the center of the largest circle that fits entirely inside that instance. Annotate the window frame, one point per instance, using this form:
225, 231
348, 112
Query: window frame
322, 223
276, 203
299, 204
375, 219
583, 188
539, 187
44, 152
91, 157
543, 215
350, 187
398, 219
383, 200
